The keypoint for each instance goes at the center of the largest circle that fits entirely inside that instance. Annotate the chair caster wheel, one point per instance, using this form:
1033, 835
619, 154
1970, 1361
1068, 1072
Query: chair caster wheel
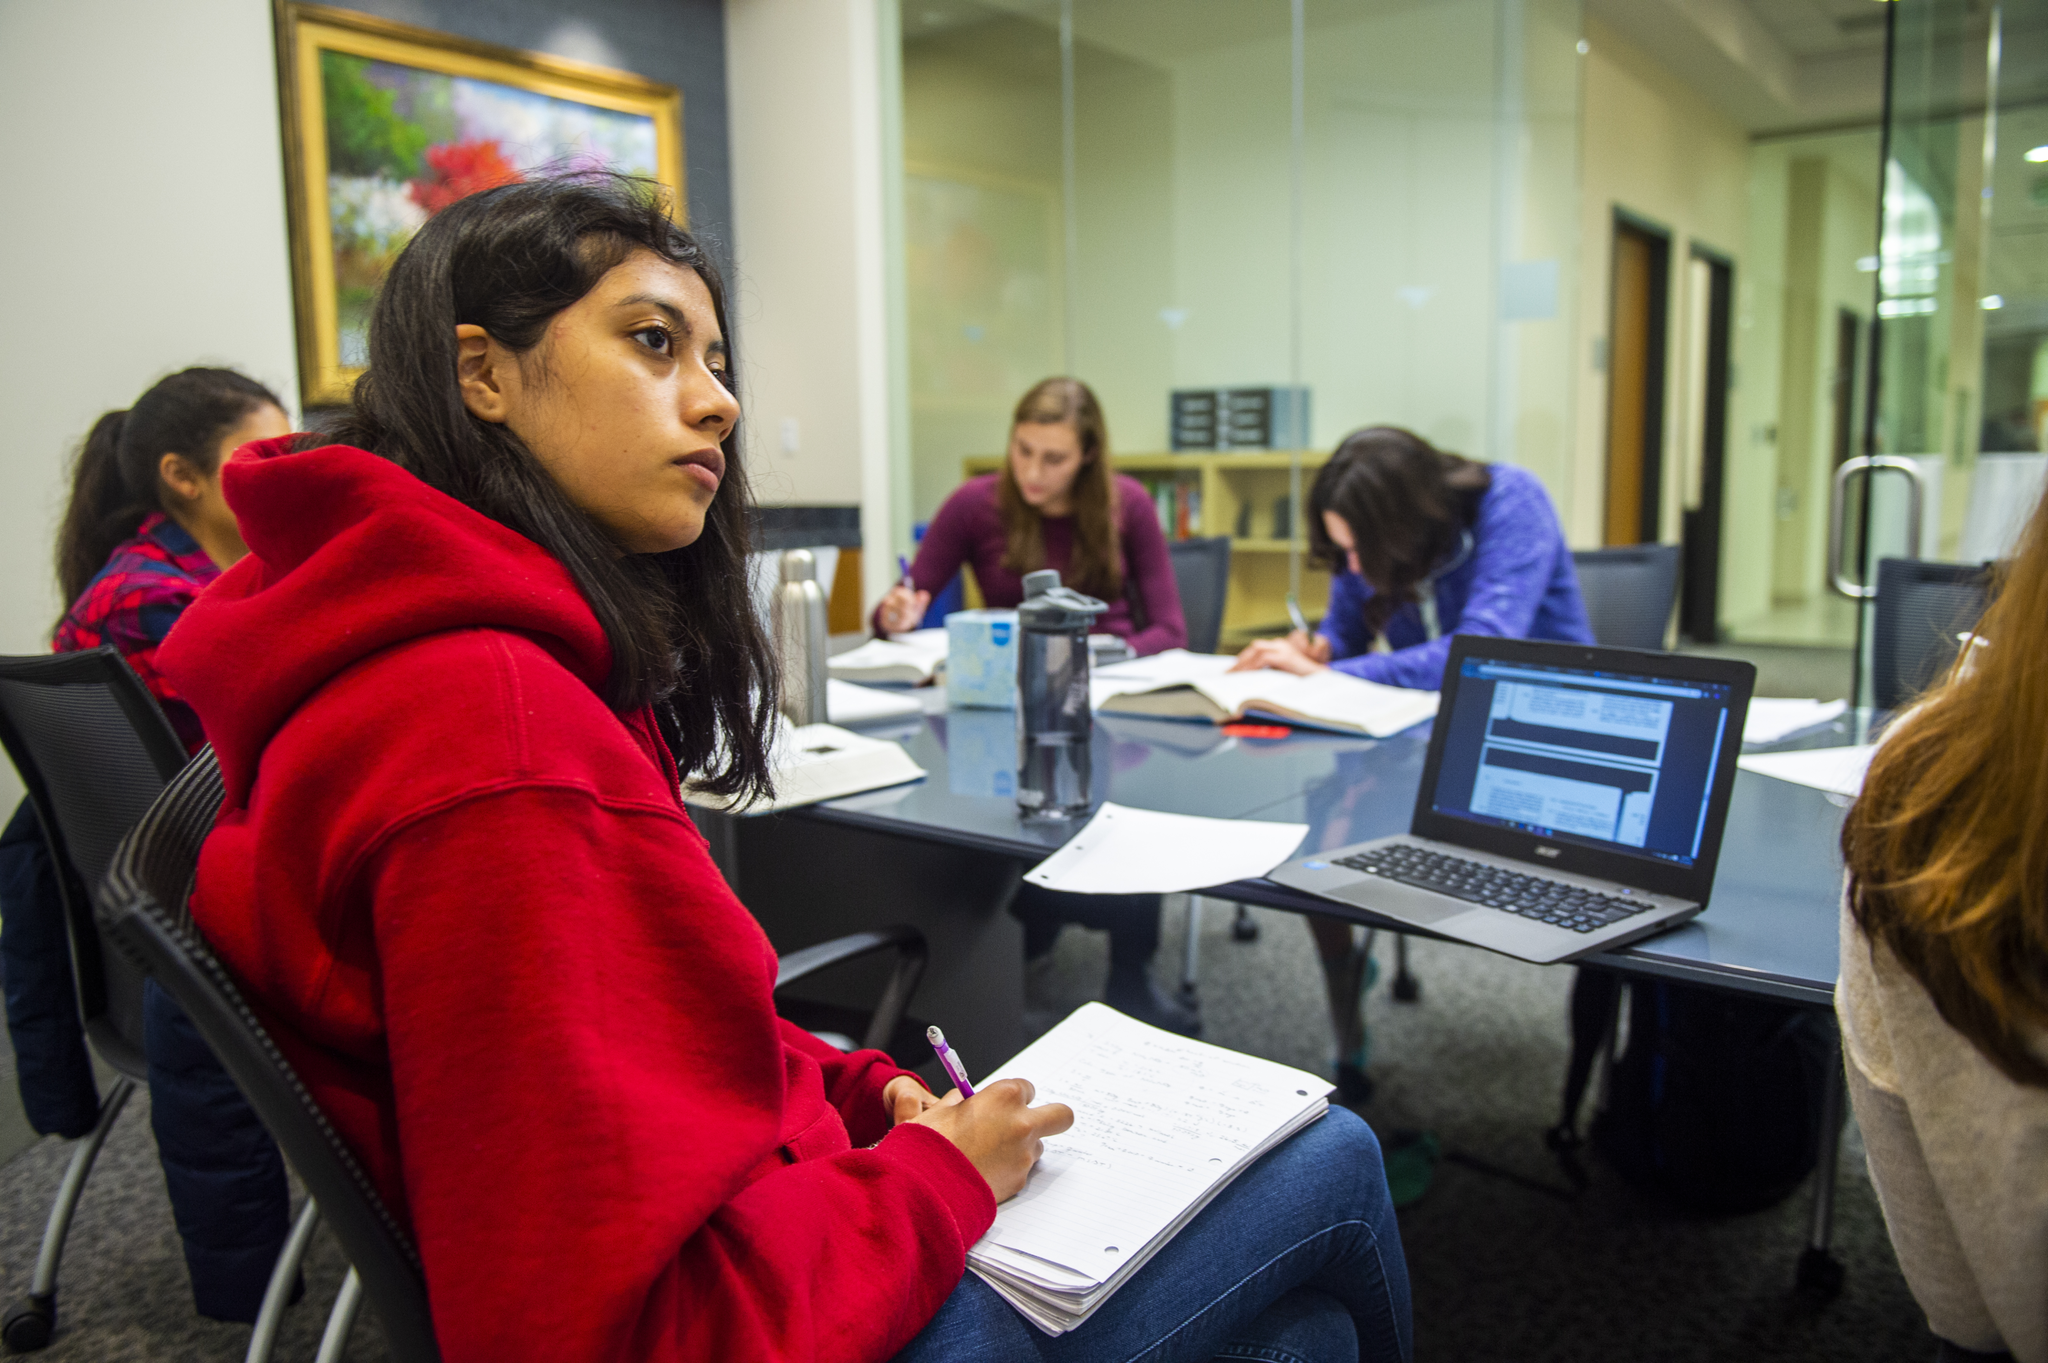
1244, 928
1406, 989
28, 1325
1820, 1273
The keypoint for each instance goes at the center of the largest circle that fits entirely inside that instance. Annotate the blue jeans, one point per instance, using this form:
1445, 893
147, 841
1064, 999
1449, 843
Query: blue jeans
1298, 1261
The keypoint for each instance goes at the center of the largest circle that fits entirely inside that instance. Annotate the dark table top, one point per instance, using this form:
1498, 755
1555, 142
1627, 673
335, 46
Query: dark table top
1769, 928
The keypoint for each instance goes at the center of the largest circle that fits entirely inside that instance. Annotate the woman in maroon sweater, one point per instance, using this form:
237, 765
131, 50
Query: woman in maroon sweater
1058, 504
475, 642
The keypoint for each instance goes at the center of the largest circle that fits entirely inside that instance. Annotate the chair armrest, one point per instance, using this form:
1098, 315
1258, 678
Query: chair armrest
909, 946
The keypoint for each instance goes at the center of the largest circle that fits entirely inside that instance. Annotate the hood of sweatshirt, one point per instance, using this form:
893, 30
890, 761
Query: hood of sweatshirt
349, 555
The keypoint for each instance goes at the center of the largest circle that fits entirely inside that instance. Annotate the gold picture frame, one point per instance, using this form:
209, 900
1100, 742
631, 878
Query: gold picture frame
362, 175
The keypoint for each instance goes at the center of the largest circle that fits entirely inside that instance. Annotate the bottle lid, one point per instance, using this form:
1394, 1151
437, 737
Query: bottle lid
799, 565
1049, 606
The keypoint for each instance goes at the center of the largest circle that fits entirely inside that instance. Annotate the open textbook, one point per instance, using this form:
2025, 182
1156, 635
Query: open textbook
1162, 1124
813, 762
1182, 685
914, 657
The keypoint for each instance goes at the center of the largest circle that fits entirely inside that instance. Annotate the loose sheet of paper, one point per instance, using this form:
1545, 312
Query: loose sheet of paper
1157, 1119
1142, 851
846, 703
1771, 719
1839, 771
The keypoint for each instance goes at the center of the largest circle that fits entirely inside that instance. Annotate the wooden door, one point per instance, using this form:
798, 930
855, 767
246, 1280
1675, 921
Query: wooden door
1635, 383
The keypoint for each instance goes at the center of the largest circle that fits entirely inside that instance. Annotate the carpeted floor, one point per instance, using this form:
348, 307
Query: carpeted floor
1504, 1267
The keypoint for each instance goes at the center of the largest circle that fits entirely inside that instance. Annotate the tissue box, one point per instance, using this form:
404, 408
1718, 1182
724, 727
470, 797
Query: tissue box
981, 660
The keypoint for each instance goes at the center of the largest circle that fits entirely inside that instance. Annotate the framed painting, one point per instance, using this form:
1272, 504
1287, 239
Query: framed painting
387, 124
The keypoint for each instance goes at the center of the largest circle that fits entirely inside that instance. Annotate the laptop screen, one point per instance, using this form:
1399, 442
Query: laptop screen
1618, 761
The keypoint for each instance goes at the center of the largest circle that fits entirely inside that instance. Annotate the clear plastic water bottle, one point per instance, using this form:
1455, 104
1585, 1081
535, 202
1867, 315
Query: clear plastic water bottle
1054, 722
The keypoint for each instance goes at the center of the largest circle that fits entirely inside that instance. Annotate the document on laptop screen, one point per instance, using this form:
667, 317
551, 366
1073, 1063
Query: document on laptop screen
1579, 761
1626, 763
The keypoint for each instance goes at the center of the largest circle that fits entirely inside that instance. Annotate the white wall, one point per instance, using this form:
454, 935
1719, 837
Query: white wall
805, 80
1655, 148
144, 231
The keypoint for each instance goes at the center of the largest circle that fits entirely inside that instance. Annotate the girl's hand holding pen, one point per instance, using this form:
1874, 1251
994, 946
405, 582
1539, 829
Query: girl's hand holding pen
903, 609
998, 1130
906, 1098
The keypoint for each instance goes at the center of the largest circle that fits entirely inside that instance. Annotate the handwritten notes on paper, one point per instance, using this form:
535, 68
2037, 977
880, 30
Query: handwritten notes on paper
1161, 1124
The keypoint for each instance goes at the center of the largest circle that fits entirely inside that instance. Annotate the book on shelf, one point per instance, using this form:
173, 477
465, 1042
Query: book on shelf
1182, 685
1179, 506
1162, 1124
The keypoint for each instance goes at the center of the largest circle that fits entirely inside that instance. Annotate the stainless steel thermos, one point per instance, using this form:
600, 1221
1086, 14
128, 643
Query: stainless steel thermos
1054, 722
800, 639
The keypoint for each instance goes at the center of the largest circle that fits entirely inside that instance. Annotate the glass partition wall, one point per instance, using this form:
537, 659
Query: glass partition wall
1252, 226
1962, 291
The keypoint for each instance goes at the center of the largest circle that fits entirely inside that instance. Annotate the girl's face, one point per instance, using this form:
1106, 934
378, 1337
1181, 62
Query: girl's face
193, 498
1045, 458
1340, 535
625, 401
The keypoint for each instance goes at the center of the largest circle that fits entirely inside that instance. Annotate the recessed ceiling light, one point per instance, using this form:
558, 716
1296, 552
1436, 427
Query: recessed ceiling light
2037, 154
1992, 302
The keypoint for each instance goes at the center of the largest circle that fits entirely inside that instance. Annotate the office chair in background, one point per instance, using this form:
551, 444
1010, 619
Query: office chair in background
1921, 609
143, 910
94, 751
1201, 572
1629, 592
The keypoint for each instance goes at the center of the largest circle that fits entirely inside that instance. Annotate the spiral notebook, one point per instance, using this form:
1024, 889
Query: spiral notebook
1162, 1124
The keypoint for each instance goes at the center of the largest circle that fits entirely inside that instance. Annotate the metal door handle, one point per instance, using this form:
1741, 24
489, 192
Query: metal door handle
1869, 466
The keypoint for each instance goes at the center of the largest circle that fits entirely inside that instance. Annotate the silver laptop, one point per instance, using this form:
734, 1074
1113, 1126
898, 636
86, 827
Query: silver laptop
1572, 801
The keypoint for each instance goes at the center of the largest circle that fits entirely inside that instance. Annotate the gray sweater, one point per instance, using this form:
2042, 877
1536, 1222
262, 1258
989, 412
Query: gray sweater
1958, 1154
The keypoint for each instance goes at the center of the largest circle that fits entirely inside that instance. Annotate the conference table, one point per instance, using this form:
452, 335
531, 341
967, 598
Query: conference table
1769, 929
945, 853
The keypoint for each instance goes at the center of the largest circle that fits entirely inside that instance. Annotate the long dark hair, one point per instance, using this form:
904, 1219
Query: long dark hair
115, 484
680, 624
1098, 561
1407, 503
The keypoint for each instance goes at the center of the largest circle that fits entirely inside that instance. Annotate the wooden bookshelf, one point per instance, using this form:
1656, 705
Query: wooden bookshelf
1237, 491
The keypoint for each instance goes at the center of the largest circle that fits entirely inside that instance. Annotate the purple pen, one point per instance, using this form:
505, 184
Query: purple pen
955, 1071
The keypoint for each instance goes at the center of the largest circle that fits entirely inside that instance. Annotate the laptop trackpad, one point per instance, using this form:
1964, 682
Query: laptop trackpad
1405, 902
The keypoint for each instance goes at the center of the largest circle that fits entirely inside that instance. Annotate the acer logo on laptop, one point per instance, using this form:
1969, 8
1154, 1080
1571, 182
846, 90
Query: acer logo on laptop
1552, 852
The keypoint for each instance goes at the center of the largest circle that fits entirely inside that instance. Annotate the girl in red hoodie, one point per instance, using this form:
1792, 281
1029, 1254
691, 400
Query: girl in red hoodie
453, 685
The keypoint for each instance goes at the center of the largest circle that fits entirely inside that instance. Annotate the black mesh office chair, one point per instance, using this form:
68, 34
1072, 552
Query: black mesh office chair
1201, 570
94, 751
1629, 592
143, 910
1921, 608
1201, 573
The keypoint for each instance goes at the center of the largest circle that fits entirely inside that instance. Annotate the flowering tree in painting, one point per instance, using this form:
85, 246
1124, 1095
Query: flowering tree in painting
456, 170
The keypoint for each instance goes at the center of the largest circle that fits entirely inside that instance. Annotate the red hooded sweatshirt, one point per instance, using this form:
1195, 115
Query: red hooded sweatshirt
464, 897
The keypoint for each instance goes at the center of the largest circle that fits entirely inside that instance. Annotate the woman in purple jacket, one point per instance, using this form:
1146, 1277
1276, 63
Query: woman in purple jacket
1058, 504
1423, 545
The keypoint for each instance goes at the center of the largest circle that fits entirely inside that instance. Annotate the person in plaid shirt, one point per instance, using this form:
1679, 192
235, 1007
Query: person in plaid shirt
133, 602
146, 531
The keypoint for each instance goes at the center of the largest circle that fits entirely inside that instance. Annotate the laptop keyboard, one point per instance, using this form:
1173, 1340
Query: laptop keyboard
1546, 901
